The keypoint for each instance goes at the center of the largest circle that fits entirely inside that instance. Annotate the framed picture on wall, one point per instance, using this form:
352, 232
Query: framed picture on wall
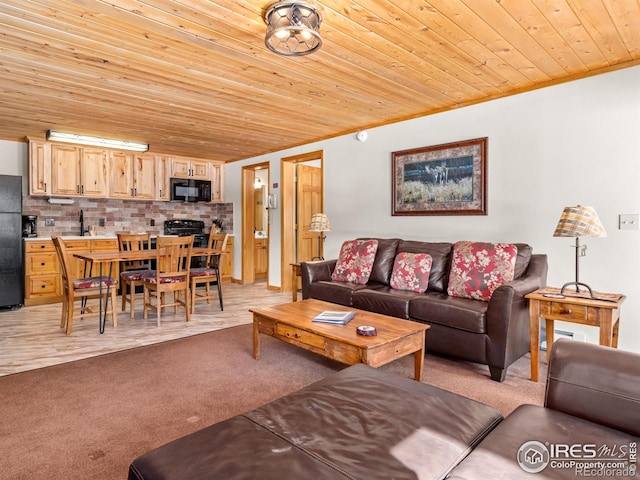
448, 179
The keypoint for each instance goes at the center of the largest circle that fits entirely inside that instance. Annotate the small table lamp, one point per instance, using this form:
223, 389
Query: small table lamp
579, 222
319, 223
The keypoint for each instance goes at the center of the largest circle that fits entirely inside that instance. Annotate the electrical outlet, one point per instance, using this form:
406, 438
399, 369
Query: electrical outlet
629, 221
152, 223
101, 222
49, 222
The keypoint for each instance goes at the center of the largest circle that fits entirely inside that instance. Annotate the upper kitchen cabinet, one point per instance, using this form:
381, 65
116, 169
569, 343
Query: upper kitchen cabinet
39, 168
188, 168
78, 171
132, 175
162, 178
217, 182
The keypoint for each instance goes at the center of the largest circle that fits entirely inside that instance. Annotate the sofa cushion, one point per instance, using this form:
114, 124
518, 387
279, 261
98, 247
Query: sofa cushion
355, 261
497, 455
478, 268
337, 292
383, 263
440, 308
411, 271
384, 300
522, 260
440, 260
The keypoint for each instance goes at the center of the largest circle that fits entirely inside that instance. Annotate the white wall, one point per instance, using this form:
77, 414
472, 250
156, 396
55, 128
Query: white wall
14, 161
575, 143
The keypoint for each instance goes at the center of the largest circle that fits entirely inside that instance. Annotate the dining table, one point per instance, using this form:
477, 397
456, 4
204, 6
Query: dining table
102, 258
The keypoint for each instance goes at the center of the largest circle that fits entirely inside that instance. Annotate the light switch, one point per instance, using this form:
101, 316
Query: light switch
629, 221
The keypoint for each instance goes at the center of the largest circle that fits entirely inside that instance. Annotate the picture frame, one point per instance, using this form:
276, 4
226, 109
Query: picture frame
447, 179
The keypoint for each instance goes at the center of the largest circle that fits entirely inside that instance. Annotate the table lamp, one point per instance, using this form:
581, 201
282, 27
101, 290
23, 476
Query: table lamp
579, 222
319, 223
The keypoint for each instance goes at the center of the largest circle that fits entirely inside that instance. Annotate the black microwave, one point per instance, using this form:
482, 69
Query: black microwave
188, 190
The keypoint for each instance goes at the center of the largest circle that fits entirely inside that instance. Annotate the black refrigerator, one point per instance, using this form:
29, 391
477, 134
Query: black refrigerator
11, 279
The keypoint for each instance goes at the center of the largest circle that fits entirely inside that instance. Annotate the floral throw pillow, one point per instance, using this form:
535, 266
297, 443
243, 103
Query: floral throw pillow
411, 271
477, 269
355, 261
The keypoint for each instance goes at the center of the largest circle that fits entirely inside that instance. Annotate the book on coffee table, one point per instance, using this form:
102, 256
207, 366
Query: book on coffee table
330, 316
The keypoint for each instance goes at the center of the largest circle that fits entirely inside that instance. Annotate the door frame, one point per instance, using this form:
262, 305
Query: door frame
248, 220
288, 219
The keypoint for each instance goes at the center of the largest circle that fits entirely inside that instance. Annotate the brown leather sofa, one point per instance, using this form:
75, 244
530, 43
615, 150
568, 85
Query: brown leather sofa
589, 425
366, 424
494, 333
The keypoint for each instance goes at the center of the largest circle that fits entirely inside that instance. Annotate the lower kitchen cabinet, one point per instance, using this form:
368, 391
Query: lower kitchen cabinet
226, 262
42, 272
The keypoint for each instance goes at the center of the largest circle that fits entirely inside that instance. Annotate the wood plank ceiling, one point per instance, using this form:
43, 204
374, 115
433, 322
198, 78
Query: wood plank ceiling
193, 77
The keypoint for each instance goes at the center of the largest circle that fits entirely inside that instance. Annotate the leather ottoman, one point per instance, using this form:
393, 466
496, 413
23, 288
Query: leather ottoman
360, 423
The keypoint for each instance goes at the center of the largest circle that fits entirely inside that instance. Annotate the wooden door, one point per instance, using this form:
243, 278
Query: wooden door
93, 171
309, 201
144, 175
65, 170
120, 175
259, 209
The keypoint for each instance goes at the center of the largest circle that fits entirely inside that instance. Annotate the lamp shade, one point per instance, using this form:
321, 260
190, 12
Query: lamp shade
579, 221
293, 28
319, 223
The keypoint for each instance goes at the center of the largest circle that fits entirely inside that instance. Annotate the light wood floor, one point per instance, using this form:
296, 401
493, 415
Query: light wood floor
31, 337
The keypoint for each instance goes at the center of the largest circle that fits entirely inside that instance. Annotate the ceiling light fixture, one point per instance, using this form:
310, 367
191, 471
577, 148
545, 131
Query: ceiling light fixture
293, 28
56, 136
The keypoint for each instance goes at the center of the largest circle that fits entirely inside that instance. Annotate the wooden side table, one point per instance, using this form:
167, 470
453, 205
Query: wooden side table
295, 274
602, 311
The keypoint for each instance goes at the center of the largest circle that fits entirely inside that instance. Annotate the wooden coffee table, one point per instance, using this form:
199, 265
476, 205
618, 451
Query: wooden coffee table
291, 323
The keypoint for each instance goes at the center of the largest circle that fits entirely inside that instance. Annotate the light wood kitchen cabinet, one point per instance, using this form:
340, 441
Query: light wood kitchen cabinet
132, 175
39, 168
42, 273
189, 168
226, 261
162, 178
79, 172
43, 279
217, 182
261, 257
65, 170
76, 171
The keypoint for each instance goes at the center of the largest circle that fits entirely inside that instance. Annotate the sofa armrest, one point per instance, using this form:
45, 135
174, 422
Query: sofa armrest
598, 384
315, 272
508, 315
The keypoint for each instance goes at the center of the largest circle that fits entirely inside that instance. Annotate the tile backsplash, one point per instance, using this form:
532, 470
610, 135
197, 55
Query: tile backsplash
121, 215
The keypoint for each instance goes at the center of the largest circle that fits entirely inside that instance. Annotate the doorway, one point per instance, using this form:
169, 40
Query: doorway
255, 223
302, 196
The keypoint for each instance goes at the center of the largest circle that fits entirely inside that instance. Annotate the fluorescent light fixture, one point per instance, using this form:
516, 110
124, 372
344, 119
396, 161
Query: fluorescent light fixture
61, 201
96, 141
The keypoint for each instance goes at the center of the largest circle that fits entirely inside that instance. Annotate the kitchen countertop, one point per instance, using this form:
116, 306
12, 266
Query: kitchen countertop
78, 237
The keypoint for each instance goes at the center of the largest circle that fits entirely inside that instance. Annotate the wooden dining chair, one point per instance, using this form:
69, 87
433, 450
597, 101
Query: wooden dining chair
209, 275
83, 289
173, 258
132, 271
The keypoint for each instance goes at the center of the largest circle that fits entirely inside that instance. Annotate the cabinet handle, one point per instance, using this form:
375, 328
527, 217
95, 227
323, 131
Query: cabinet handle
42, 264
132, 192
566, 311
45, 187
77, 188
82, 189
135, 192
